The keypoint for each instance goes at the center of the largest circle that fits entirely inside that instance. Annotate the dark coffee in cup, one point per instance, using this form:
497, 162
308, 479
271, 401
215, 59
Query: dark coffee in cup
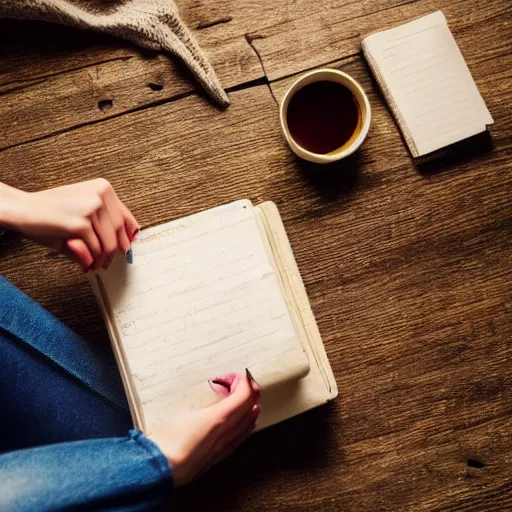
324, 116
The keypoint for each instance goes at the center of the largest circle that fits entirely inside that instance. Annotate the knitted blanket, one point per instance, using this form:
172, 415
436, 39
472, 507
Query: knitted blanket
154, 24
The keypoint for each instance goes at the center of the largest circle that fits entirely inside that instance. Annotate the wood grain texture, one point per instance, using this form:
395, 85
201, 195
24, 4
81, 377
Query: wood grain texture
60, 87
408, 271
328, 36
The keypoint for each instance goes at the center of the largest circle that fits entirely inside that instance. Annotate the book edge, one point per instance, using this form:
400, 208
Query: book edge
291, 272
397, 115
136, 410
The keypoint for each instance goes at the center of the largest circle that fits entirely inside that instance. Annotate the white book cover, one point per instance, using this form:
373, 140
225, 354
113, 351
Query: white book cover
427, 83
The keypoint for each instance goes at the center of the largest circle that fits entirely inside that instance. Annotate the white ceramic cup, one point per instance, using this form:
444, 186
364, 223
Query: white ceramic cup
332, 75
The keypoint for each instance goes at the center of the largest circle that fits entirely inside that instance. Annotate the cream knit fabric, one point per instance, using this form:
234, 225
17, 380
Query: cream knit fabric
154, 24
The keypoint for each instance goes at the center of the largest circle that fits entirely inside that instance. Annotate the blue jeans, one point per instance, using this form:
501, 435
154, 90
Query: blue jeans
65, 438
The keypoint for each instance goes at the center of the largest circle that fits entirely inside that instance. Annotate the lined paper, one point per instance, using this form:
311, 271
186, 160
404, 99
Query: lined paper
429, 82
202, 298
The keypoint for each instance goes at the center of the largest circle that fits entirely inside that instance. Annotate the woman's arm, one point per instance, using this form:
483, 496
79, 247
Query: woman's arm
11, 206
86, 221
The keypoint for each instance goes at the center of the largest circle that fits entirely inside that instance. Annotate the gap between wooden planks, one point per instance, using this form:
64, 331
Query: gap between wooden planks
55, 88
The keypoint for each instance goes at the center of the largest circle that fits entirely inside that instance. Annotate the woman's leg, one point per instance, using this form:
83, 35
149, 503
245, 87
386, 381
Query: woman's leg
55, 391
54, 387
121, 474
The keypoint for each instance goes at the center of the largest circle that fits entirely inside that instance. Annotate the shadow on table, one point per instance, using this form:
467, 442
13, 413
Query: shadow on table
332, 181
446, 158
10, 243
300, 445
51, 43
456, 154
44, 39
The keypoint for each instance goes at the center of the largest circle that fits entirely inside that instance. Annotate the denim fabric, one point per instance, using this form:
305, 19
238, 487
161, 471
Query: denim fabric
65, 423
124, 474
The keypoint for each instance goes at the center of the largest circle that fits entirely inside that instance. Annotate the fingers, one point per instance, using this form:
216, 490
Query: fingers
89, 211
239, 402
131, 225
123, 221
225, 384
106, 234
236, 436
245, 425
89, 237
77, 251
238, 411
113, 225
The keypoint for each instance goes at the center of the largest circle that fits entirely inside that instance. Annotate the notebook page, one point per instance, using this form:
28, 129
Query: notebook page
200, 299
429, 82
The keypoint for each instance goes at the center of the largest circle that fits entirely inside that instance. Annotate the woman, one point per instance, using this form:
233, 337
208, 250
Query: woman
66, 441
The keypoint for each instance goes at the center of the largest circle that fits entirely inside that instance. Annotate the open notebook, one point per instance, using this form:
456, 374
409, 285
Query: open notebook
427, 83
208, 294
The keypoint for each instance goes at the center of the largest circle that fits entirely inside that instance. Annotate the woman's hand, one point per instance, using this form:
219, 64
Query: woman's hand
85, 221
195, 441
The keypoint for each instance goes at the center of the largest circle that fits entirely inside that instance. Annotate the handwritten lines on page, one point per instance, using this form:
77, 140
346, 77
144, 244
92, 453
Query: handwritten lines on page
200, 299
430, 82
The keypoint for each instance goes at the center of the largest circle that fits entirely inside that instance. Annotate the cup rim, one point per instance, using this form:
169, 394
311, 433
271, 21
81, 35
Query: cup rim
296, 86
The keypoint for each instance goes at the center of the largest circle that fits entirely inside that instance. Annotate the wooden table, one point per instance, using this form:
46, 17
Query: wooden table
408, 270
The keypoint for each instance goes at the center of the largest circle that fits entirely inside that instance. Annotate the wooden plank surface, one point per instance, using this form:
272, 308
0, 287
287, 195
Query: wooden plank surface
330, 35
408, 270
56, 89
98, 77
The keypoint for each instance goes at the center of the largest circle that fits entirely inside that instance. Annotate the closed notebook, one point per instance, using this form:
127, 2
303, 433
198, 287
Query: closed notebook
427, 84
215, 292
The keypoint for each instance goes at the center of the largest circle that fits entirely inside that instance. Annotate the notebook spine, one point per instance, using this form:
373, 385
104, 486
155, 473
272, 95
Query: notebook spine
390, 101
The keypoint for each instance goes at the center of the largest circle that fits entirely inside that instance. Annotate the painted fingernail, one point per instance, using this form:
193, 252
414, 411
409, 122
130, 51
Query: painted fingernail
255, 386
220, 388
135, 233
250, 377
224, 384
129, 256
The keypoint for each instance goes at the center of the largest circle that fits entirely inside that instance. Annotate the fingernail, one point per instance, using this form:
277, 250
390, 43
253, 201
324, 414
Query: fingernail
250, 377
129, 256
255, 386
135, 233
218, 387
224, 384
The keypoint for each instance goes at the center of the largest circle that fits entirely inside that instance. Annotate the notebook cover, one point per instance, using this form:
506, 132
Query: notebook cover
316, 388
395, 110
